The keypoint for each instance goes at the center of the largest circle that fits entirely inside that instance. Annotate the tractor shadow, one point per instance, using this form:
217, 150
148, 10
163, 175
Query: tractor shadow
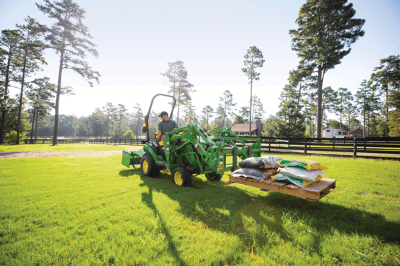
256, 216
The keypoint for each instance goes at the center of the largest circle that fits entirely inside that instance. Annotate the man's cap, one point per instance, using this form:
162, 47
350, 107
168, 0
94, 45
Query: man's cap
163, 113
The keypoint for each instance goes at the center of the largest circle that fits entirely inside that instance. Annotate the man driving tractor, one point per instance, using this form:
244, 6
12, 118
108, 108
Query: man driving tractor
165, 125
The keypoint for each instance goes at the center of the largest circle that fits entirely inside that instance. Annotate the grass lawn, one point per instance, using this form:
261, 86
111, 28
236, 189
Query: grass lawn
92, 210
66, 147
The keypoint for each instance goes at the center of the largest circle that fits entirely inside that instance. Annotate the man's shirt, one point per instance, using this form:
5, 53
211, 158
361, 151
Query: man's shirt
167, 126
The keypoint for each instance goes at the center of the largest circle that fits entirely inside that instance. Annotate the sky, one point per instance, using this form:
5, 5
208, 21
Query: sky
136, 40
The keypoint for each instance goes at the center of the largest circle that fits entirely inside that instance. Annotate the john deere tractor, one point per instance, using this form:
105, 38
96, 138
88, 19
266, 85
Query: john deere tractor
190, 151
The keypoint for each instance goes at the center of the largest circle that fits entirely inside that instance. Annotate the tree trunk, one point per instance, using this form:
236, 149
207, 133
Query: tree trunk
58, 98
20, 99
33, 123
319, 106
177, 116
298, 97
3, 120
387, 113
36, 124
341, 108
364, 119
4, 109
251, 96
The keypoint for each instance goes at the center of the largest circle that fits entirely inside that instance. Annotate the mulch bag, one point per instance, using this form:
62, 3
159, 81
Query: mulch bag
295, 181
261, 162
256, 174
305, 164
309, 175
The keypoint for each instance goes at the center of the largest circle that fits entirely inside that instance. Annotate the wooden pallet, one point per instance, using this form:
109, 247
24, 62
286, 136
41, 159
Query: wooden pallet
313, 192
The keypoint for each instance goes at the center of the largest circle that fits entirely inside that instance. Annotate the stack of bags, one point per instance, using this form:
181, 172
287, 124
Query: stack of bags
301, 173
258, 168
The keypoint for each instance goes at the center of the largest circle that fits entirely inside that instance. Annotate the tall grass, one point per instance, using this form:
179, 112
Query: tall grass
92, 210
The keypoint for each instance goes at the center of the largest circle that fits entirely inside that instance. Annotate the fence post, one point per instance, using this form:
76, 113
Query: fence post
269, 145
333, 147
365, 145
355, 148
305, 146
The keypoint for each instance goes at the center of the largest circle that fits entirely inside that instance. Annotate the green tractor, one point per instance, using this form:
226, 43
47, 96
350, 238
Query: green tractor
190, 151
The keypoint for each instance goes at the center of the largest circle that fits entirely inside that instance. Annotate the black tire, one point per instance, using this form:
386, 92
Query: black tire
213, 176
182, 176
148, 167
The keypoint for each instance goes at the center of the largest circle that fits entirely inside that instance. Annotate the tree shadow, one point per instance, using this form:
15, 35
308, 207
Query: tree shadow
257, 218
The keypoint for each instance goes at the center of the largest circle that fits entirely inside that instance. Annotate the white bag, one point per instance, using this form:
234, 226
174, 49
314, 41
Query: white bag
301, 173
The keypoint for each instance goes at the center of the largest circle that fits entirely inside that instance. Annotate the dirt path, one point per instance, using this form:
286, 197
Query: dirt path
10, 155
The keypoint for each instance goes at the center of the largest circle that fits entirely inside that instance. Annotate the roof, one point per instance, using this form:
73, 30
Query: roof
243, 127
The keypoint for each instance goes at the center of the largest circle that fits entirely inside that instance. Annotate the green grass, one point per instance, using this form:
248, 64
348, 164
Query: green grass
92, 210
66, 147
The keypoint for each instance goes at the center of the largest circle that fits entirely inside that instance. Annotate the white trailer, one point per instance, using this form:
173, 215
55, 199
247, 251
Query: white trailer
334, 132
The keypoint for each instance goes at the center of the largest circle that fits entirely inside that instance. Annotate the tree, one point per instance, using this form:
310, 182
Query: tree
120, 115
258, 108
386, 78
329, 101
97, 123
326, 31
174, 74
244, 112
109, 110
301, 76
9, 63
344, 99
367, 102
270, 127
83, 127
208, 113
11, 121
69, 37
239, 120
290, 123
41, 97
138, 118
31, 50
227, 104
190, 115
128, 135
183, 91
252, 59
181, 88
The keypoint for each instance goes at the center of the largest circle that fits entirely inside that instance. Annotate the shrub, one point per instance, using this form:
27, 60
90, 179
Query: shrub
12, 137
128, 135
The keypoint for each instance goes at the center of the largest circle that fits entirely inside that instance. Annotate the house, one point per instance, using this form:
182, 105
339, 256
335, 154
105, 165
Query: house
243, 129
357, 133
333, 133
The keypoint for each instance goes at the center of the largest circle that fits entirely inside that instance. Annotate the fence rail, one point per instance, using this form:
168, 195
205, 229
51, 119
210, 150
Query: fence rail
388, 148
372, 147
50, 141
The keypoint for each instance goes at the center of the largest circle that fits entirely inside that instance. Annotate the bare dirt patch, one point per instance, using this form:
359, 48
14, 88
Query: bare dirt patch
10, 155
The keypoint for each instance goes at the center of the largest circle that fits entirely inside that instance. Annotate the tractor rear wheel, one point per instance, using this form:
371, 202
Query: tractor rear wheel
213, 176
148, 167
182, 176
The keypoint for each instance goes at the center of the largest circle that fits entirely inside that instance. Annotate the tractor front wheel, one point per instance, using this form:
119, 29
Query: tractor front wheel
213, 176
148, 167
182, 176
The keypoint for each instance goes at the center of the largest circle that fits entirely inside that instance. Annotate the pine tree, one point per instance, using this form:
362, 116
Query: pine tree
31, 52
253, 59
207, 113
326, 31
69, 37
9, 64
41, 96
227, 104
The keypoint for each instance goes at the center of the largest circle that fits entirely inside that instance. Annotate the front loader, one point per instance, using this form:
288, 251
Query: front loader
191, 151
